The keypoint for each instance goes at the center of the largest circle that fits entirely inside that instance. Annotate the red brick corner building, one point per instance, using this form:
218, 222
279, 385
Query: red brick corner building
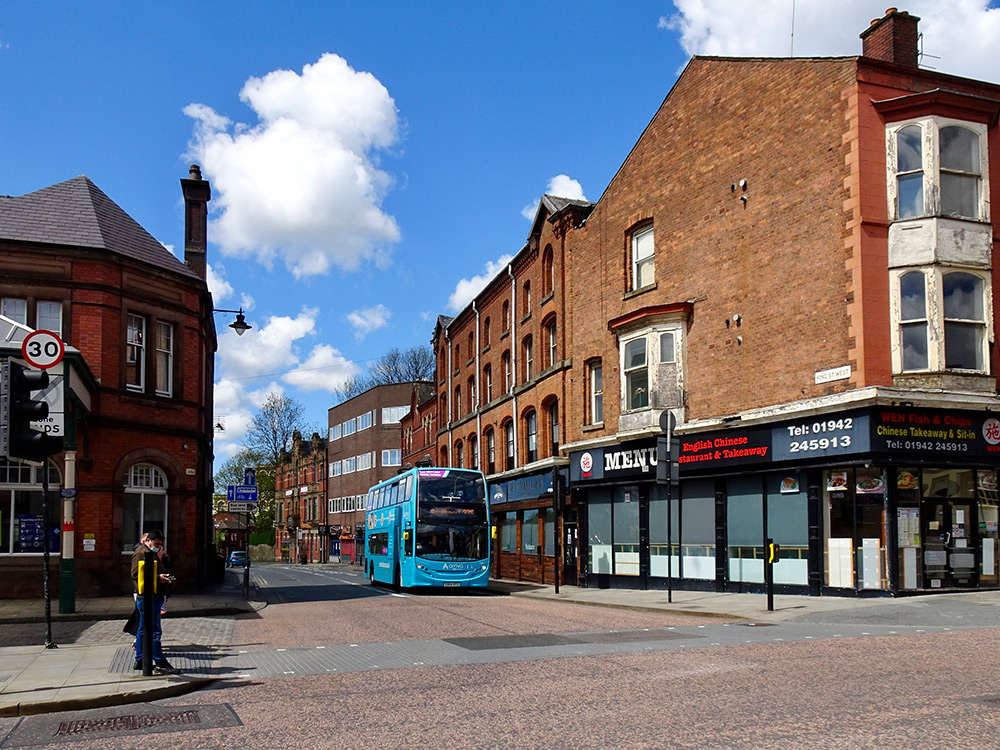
133, 396
796, 261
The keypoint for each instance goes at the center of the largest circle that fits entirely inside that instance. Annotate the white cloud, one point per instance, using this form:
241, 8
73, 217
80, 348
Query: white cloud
217, 285
561, 186
466, 289
324, 369
962, 33
366, 321
302, 185
265, 349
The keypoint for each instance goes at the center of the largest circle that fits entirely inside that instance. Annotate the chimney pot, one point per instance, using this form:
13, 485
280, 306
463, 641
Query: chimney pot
194, 172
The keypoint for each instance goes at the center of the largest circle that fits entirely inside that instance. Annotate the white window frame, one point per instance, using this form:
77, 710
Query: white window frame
145, 482
364, 421
930, 128
653, 335
135, 351
595, 376
394, 414
936, 323
643, 257
164, 358
52, 319
392, 457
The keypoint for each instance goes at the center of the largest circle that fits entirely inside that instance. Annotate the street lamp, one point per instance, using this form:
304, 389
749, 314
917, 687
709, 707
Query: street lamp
239, 325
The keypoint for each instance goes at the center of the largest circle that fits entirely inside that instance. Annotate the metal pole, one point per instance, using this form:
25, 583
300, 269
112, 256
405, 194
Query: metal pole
246, 568
45, 555
149, 579
670, 545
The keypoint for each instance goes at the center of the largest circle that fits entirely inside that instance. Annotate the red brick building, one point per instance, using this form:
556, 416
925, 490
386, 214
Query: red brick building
300, 500
133, 397
795, 261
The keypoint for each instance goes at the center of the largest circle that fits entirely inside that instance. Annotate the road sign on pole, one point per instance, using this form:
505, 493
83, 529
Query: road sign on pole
242, 493
42, 349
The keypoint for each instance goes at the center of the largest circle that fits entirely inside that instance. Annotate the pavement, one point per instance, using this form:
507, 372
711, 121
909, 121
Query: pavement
72, 676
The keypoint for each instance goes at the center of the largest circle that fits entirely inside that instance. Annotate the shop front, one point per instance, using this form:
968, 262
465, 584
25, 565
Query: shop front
879, 500
525, 519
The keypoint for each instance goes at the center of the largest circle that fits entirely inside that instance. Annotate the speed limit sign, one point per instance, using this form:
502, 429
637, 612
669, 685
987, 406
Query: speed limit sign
42, 349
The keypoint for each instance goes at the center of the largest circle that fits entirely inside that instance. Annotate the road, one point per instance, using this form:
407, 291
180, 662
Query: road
333, 663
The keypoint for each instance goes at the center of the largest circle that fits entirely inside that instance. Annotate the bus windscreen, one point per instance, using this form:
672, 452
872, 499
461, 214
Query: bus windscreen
451, 518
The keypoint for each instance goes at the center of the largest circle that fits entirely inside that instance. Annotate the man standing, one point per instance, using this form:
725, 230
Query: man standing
152, 541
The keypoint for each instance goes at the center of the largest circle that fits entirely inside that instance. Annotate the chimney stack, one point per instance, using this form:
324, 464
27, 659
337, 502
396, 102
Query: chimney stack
892, 38
197, 194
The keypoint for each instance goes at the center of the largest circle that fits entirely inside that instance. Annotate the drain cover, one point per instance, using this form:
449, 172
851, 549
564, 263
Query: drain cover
118, 721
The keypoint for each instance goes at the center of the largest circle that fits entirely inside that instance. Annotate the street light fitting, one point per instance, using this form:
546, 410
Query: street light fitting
239, 325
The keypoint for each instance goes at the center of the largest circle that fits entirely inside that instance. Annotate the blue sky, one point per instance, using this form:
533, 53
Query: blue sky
373, 163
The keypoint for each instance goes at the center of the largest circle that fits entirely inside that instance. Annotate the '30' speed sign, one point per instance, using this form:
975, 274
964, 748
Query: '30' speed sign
42, 349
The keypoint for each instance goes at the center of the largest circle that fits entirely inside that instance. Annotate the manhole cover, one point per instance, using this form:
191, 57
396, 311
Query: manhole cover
118, 721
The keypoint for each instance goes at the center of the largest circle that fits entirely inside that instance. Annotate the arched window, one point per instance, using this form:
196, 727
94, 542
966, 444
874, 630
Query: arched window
486, 332
491, 451
529, 358
526, 299
913, 320
548, 272
506, 315
508, 434
145, 504
474, 452
459, 455
964, 321
531, 436
552, 409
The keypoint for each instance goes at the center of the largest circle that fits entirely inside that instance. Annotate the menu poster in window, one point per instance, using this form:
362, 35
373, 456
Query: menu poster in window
789, 484
908, 527
836, 481
869, 483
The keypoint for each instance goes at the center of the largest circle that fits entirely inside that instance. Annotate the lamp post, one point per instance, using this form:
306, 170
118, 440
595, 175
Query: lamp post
239, 325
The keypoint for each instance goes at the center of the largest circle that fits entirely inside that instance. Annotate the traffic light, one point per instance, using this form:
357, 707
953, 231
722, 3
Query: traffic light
18, 410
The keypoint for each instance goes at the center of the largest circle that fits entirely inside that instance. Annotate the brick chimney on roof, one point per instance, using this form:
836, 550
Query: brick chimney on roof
197, 194
892, 38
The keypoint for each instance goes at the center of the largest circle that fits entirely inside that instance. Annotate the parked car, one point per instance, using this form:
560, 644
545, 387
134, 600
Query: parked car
237, 558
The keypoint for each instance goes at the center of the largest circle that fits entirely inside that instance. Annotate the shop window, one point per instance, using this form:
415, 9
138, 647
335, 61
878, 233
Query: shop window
529, 533
745, 525
599, 550
508, 533
22, 527
144, 506
548, 532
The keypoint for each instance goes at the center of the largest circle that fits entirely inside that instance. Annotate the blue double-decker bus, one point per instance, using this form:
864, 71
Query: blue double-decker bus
429, 527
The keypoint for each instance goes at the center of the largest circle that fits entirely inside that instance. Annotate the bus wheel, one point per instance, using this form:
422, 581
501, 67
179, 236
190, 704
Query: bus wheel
371, 574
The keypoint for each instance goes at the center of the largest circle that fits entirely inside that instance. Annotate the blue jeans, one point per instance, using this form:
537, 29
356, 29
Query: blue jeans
157, 629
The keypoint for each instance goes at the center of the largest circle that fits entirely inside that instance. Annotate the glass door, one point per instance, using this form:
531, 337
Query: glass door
950, 527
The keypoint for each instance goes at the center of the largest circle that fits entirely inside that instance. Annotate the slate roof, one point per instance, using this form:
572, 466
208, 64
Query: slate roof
78, 214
